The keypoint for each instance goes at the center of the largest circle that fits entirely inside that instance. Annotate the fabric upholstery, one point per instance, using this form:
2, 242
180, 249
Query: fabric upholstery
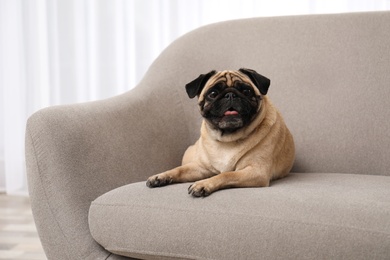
329, 77
304, 216
76, 153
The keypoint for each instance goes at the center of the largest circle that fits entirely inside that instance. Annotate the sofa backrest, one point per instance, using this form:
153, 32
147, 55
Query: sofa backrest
330, 78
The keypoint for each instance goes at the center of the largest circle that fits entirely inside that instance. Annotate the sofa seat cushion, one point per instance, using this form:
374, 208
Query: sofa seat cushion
303, 216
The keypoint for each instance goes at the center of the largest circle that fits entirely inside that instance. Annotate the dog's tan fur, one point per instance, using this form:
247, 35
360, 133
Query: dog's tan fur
250, 157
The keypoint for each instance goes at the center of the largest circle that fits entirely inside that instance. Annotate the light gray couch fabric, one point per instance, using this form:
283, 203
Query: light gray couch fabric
304, 216
329, 78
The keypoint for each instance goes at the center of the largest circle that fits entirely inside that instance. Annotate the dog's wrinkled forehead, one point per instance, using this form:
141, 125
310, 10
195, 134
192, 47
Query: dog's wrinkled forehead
229, 78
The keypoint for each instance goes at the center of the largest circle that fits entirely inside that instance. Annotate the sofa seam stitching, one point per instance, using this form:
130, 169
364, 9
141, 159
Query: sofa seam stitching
154, 253
47, 198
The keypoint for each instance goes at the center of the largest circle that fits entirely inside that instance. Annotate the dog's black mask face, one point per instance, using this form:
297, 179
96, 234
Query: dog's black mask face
230, 108
229, 100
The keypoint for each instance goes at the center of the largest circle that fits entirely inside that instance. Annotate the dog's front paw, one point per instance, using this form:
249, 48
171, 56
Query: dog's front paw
200, 189
158, 181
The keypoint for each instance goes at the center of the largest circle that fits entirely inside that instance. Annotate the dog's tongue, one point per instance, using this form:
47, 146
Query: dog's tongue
231, 113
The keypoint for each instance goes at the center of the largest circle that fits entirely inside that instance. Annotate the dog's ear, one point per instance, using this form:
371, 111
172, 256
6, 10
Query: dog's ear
261, 82
195, 87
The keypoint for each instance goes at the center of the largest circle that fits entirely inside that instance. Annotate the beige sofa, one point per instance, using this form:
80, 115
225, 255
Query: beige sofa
330, 77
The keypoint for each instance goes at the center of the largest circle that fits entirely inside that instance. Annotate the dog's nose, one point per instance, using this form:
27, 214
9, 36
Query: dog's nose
230, 95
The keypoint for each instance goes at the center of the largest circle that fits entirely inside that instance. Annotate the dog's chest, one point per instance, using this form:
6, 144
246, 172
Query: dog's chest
224, 159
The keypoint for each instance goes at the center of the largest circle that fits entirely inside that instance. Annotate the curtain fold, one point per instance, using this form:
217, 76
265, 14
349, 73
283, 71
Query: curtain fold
68, 51
13, 96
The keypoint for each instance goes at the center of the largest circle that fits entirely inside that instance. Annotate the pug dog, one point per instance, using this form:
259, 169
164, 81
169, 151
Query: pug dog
243, 142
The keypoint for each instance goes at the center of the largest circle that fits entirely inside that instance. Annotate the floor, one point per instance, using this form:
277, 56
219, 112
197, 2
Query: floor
18, 236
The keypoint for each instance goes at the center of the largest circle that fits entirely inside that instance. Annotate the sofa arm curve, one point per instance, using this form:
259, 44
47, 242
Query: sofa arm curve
75, 153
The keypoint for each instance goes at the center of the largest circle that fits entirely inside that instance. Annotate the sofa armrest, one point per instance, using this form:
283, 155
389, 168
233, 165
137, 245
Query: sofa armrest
75, 153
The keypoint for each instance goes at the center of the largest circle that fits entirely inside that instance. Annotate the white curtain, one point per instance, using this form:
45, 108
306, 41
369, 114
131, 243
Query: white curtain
67, 51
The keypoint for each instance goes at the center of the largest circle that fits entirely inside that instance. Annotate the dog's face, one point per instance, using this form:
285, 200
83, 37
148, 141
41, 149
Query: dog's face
229, 100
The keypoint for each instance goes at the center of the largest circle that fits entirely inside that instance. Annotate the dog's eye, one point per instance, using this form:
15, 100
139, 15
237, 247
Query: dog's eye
213, 94
247, 92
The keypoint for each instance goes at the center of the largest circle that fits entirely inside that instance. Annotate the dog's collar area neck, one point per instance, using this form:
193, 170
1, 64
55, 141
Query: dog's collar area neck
218, 135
